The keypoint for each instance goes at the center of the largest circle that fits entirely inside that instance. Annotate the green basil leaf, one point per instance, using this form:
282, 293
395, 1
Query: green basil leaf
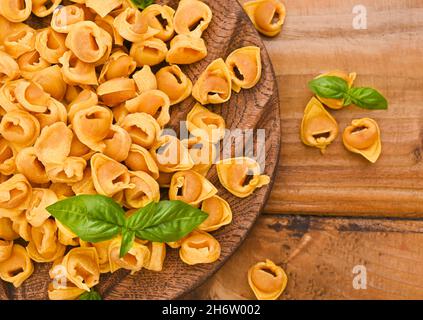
93, 218
90, 295
142, 4
166, 221
368, 98
128, 237
329, 87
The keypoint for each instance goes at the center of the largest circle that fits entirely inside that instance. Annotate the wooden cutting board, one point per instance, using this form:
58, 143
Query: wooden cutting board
318, 36
257, 108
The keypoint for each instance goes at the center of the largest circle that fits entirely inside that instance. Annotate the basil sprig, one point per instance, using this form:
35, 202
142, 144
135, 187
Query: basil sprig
95, 218
142, 4
90, 295
333, 87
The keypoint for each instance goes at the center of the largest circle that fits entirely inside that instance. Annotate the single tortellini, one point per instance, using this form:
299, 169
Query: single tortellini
219, 211
136, 258
15, 193
30, 166
43, 8
171, 155
92, 125
267, 16
145, 79
214, 85
19, 42
66, 236
186, 49
44, 245
245, 67
102, 249
16, 10
241, 176
17, 268
207, 125
109, 176
153, 102
199, 247
84, 100
192, 17
82, 267
160, 18
54, 143
118, 142
9, 68
131, 25
51, 81
172, 81
76, 72
6, 249
69, 171
103, 7
56, 112
64, 17
6, 229
146, 190
20, 128
7, 157
149, 52
119, 65
116, 91
31, 62
318, 127
140, 159
31, 96
50, 45
202, 153
267, 280
157, 256
36, 214
349, 78
363, 137
190, 187
142, 127
89, 43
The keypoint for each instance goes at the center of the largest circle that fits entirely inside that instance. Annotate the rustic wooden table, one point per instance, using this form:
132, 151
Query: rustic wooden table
319, 253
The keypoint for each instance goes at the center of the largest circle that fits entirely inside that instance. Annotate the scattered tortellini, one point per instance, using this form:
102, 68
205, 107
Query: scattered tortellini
84, 110
267, 280
267, 16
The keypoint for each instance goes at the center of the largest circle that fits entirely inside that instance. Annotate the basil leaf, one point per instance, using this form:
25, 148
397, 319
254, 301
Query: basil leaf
166, 221
93, 218
90, 295
128, 237
142, 4
368, 98
329, 87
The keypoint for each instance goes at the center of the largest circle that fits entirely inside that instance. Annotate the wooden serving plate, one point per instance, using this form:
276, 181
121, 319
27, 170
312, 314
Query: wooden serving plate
257, 108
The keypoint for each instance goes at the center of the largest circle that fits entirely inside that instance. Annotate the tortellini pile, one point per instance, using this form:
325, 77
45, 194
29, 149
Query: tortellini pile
82, 111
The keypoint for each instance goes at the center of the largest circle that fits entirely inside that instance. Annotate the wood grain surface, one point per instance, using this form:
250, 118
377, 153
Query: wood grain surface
318, 36
319, 254
257, 108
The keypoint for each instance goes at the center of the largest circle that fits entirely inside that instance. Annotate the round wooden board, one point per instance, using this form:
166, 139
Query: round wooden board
257, 108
